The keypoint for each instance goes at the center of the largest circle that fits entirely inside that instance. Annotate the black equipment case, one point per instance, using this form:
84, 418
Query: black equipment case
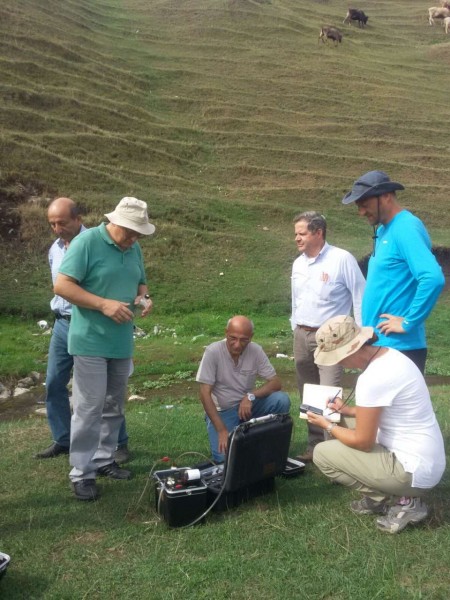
178, 506
257, 453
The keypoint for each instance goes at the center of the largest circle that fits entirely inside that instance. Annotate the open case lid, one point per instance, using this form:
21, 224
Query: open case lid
257, 450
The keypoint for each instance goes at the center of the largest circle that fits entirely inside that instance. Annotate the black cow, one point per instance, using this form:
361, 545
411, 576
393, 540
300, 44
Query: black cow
330, 33
355, 14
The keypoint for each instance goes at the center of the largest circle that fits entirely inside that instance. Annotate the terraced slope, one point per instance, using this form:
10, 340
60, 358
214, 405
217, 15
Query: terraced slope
228, 117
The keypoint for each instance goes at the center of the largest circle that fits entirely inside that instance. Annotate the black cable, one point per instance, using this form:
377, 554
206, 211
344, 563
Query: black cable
375, 227
211, 506
350, 395
231, 441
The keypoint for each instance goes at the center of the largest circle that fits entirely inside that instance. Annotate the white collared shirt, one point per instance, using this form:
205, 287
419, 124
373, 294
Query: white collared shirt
326, 286
55, 257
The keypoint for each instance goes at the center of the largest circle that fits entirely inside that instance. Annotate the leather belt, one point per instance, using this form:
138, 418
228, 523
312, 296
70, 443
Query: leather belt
60, 316
307, 328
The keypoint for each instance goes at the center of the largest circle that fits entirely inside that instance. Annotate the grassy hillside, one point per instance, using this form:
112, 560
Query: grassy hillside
227, 117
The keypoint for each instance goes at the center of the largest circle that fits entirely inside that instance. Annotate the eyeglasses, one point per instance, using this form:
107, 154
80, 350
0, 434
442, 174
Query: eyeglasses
234, 339
130, 233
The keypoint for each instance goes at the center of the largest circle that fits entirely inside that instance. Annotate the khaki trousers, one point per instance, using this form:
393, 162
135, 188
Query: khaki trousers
377, 474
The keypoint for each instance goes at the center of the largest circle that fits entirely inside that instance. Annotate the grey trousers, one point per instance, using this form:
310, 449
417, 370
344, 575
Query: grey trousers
377, 474
309, 372
99, 389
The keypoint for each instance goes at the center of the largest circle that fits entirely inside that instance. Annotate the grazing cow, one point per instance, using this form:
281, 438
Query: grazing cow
436, 12
355, 14
446, 23
330, 33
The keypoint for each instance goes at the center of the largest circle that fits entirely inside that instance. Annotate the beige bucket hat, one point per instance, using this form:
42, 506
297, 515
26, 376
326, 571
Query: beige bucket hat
132, 214
338, 338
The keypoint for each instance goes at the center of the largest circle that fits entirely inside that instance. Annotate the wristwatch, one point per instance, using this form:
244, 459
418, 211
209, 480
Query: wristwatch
251, 397
330, 428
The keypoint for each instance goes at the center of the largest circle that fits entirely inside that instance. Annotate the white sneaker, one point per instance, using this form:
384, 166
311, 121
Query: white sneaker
403, 513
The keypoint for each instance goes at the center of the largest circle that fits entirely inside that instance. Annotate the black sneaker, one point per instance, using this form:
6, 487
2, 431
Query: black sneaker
122, 454
53, 450
114, 471
306, 458
85, 489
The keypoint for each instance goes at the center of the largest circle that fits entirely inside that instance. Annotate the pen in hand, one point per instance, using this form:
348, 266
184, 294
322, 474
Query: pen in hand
332, 401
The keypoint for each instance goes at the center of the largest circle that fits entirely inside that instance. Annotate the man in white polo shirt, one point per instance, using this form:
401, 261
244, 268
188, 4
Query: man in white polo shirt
227, 376
326, 282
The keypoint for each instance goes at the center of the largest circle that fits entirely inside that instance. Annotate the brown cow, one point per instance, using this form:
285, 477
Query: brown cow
330, 33
356, 14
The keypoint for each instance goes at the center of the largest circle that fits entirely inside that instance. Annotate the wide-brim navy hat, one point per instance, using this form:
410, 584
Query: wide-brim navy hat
373, 183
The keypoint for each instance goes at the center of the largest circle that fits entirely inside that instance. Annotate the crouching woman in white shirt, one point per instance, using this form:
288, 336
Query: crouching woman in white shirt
395, 451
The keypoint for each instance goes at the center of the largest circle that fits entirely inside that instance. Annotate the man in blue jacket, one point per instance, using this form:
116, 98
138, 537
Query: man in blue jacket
404, 279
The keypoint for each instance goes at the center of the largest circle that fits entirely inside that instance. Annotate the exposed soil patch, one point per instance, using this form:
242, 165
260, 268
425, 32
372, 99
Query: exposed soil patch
443, 257
13, 193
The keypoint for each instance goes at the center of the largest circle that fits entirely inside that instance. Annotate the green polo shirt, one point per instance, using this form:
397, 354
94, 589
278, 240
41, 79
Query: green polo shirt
102, 268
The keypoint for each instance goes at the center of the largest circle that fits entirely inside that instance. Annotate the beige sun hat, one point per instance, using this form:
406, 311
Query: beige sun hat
338, 338
132, 214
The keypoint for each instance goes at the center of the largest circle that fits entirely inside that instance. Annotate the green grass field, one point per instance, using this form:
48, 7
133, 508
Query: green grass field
299, 542
227, 117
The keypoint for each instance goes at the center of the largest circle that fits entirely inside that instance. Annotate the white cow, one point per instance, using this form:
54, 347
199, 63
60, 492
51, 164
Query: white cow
437, 12
446, 23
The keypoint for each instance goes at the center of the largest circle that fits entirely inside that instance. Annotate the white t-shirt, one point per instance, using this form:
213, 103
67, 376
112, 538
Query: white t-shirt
230, 381
408, 425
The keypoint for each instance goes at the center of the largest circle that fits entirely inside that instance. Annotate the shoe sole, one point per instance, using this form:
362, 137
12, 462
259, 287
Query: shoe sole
307, 460
91, 499
398, 527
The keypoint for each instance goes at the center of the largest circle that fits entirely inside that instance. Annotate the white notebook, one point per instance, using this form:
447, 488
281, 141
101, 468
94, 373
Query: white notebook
317, 397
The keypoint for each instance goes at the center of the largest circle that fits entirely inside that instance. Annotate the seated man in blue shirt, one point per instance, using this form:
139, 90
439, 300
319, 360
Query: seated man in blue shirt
227, 376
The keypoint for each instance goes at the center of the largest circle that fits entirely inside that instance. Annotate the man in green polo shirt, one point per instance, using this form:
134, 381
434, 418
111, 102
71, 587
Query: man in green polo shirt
103, 277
